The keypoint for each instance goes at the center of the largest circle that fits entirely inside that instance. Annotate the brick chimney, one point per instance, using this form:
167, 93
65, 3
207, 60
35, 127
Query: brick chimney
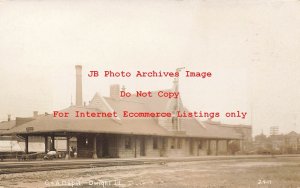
115, 91
78, 85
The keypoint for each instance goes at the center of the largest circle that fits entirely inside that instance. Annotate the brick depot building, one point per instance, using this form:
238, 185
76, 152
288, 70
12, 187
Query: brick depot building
126, 137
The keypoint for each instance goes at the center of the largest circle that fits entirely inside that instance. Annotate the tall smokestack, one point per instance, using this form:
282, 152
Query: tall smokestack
78, 85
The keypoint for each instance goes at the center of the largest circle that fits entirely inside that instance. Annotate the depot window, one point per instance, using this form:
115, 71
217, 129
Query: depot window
173, 141
155, 143
127, 142
179, 143
200, 145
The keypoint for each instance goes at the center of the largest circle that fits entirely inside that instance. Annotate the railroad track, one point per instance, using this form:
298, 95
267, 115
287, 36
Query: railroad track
53, 165
35, 166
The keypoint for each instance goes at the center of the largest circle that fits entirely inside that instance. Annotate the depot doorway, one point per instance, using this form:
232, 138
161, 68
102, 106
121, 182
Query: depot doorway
142, 147
105, 146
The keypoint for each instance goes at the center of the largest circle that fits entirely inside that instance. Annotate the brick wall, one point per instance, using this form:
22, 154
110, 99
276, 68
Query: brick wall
136, 146
150, 150
130, 146
124, 152
175, 149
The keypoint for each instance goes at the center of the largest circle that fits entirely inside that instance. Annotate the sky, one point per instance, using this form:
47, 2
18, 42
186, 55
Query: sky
251, 47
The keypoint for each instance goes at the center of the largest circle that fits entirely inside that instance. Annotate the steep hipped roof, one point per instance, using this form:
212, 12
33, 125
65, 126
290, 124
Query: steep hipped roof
49, 123
98, 102
191, 127
6, 125
292, 133
196, 129
156, 104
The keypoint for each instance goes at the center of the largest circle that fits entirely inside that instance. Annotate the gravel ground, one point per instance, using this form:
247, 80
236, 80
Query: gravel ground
252, 173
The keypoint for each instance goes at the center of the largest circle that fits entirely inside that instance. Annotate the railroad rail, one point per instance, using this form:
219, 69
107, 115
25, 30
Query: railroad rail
34, 166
